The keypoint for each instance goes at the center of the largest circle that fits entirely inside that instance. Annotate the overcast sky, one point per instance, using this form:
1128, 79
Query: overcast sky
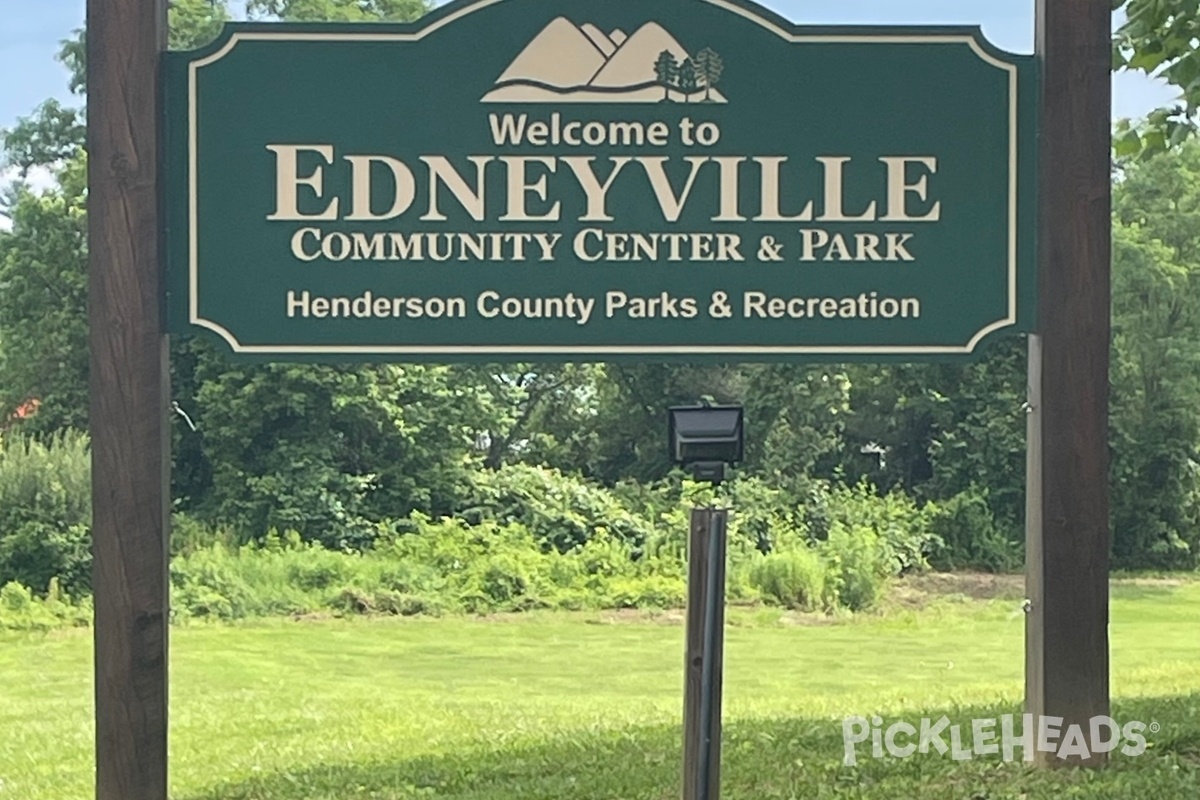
32, 30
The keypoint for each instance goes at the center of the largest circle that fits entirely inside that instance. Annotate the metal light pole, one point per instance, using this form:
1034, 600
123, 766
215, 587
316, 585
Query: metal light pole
705, 654
705, 439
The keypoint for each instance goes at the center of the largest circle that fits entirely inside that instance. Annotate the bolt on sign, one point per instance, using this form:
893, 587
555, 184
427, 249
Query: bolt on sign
683, 179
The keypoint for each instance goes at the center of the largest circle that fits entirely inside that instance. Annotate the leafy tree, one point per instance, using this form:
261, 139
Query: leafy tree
43, 262
936, 430
1156, 376
608, 421
327, 451
796, 417
536, 409
1159, 38
667, 71
330, 450
628, 428
194, 23
710, 67
73, 56
339, 10
43, 336
52, 135
1155, 429
43, 297
948, 429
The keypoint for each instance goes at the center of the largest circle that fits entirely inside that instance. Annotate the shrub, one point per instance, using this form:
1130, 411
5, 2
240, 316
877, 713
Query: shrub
797, 579
210, 583
406, 605
45, 511
969, 538
904, 531
543, 540
406, 577
320, 570
653, 591
563, 511
189, 534
354, 600
198, 600
22, 610
764, 517
502, 579
860, 563
36, 552
439, 566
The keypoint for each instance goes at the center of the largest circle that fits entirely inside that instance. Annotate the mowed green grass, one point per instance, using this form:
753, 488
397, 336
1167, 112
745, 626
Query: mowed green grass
588, 706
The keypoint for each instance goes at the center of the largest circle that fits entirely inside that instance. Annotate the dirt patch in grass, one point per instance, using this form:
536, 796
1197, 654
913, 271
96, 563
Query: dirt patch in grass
916, 592
675, 616
808, 619
1161, 583
609, 617
972, 585
909, 593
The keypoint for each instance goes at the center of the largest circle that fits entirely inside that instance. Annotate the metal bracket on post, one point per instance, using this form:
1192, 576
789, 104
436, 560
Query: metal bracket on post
705, 654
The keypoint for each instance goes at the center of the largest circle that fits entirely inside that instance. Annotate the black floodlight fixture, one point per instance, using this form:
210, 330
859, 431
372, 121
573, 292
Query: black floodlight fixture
706, 439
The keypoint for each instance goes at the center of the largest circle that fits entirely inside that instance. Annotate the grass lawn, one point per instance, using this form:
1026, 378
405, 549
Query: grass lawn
588, 706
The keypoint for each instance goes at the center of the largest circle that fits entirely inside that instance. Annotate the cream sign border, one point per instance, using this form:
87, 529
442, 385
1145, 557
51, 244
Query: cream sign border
238, 347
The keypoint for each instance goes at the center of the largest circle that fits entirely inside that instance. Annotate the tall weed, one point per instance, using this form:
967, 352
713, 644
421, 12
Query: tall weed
45, 511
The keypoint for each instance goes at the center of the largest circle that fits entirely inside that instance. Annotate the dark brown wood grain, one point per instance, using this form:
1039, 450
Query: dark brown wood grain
700, 561
1067, 656
129, 398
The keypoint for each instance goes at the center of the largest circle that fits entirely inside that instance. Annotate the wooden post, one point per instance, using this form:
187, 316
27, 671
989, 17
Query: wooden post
129, 397
706, 569
1067, 659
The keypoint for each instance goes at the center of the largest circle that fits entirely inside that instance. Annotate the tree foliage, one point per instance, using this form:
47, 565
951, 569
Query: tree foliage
938, 429
43, 259
339, 452
50, 136
327, 450
193, 23
1156, 362
43, 303
273, 446
1159, 38
339, 10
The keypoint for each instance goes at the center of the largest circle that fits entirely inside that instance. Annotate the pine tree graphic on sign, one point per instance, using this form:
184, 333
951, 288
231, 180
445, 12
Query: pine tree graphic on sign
687, 77
568, 62
666, 70
710, 66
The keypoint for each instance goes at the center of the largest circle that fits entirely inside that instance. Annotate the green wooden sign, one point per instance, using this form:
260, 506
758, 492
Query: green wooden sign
679, 179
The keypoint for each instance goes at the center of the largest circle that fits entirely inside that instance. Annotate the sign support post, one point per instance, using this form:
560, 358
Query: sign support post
705, 655
129, 397
1067, 527
249, 268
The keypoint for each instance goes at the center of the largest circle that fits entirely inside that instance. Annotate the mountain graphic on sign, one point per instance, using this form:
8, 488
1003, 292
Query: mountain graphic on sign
569, 63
